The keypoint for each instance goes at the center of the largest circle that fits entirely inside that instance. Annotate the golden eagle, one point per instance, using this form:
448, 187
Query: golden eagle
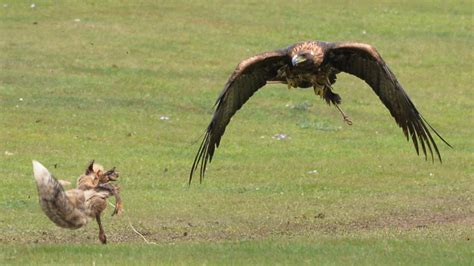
315, 64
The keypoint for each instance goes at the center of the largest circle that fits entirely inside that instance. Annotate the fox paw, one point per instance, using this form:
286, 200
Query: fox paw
118, 209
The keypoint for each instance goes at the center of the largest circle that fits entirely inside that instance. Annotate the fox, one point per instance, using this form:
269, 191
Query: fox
95, 177
74, 208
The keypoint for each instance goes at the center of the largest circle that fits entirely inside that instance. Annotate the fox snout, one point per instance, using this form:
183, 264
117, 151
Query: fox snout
110, 175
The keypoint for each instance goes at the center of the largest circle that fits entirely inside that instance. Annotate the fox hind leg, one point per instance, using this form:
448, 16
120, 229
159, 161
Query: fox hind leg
102, 237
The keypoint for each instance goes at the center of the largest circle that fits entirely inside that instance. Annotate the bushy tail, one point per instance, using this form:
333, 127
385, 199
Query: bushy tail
55, 202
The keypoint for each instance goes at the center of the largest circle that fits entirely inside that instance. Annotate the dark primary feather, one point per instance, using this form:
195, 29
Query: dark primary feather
364, 61
249, 76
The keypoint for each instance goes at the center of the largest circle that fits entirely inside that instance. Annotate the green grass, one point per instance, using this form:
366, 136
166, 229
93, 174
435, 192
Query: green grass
82, 80
299, 252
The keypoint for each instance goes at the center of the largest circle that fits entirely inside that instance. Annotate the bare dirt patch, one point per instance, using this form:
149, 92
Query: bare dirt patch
185, 231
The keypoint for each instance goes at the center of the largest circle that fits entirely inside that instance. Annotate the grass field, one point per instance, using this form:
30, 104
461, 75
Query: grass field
82, 80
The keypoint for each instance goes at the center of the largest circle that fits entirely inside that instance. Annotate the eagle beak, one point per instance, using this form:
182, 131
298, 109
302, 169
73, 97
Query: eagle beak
297, 59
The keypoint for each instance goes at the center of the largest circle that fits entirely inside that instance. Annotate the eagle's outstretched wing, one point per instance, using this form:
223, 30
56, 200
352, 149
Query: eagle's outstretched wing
363, 61
249, 76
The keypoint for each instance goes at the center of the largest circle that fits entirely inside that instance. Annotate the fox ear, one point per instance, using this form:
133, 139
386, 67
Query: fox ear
90, 168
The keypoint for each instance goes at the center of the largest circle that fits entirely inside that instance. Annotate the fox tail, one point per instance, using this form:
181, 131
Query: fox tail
55, 201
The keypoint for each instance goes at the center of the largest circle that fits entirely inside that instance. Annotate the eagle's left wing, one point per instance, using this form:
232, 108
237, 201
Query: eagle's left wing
363, 61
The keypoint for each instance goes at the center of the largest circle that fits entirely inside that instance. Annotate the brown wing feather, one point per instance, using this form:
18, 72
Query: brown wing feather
249, 76
365, 62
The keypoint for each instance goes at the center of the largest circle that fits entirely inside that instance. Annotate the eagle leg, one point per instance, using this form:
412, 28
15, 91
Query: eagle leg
318, 91
334, 98
344, 116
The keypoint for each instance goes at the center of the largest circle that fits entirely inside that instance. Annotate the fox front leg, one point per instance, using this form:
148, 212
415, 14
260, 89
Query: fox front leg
118, 200
118, 204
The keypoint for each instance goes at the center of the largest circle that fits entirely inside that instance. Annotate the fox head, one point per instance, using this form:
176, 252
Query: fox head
108, 176
95, 174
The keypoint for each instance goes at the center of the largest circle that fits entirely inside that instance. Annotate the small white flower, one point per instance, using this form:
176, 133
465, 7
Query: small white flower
431, 174
77, 20
21, 99
163, 117
7, 153
364, 32
33, 5
280, 136
313, 172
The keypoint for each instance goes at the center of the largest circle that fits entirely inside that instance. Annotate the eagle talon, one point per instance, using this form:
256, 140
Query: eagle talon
347, 120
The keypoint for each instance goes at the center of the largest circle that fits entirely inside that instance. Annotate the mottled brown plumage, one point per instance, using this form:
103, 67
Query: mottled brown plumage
315, 64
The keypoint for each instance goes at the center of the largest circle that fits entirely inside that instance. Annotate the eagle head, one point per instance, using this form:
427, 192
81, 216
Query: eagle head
305, 57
